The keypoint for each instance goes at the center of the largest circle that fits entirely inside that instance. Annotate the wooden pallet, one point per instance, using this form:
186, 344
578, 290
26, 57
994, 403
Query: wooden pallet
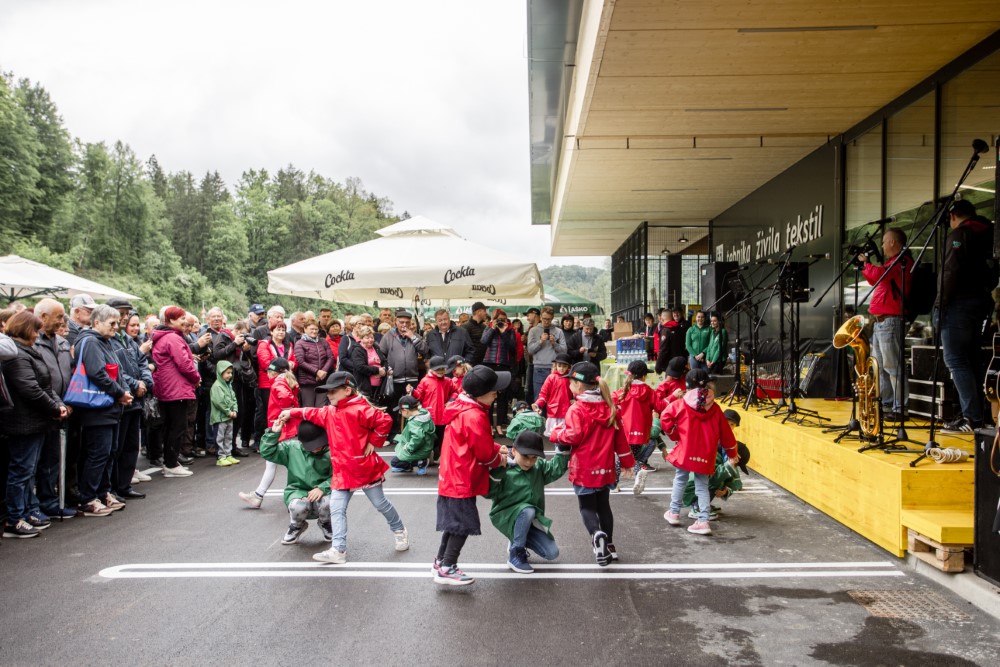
945, 557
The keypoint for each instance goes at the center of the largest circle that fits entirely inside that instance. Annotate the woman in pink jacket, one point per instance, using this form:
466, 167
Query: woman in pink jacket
174, 382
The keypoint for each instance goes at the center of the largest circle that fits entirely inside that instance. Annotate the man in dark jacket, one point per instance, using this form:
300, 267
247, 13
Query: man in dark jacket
55, 352
963, 306
587, 345
447, 340
80, 308
474, 327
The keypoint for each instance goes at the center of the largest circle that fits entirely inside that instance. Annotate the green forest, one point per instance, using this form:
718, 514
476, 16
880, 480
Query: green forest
173, 237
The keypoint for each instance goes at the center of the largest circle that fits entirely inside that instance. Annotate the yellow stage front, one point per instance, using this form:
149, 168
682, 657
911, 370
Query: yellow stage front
867, 492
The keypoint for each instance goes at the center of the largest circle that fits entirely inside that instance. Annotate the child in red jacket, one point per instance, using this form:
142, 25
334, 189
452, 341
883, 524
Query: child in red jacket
457, 368
593, 432
698, 426
555, 395
355, 428
433, 392
282, 395
673, 385
467, 455
634, 402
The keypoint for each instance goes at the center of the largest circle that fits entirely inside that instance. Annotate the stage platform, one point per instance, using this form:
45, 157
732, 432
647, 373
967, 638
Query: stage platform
867, 492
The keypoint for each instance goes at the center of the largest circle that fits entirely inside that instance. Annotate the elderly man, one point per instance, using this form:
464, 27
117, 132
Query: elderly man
586, 344
476, 326
297, 320
275, 314
401, 346
545, 341
254, 315
448, 340
80, 308
55, 353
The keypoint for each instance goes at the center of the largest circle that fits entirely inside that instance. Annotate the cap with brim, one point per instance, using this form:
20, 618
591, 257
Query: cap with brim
585, 372
338, 380
563, 358
744, 453
407, 403
437, 363
529, 443
403, 313
698, 379
533, 310
481, 380
312, 437
119, 304
733, 416
82, 301
278, 365
676, 367
257, 309
454, 362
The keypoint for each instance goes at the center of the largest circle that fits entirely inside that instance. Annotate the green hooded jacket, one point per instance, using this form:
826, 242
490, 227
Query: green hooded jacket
306, 470
725, 477
513, 489
223, 396
529, 420
718, 344
416, 442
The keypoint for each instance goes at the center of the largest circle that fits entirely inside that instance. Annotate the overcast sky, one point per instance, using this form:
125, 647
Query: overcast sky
426, 101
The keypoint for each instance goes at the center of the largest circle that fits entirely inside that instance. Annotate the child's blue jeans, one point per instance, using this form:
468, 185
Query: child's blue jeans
700, 490
527, 535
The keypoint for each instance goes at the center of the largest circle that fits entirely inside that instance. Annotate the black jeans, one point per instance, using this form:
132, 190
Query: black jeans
127, 452
175, 426
246, 399
595, 509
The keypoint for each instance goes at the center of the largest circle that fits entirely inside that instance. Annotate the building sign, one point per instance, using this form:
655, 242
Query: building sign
774, 239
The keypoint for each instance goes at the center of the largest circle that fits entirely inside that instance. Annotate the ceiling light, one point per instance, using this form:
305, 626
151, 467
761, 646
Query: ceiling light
665, 252
682, 239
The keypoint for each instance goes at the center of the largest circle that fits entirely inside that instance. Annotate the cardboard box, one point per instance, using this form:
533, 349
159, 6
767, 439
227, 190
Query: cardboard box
622, 330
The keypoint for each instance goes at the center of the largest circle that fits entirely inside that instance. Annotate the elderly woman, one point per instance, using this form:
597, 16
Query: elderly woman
99, 430
368, 362
174, 382
315, 364
35, 411
134, 372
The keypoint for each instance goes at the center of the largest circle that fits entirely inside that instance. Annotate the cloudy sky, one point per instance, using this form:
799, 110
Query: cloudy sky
426, 101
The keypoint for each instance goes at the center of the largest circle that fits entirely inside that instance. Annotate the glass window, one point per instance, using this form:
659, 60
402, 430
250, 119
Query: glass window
864, 179
970, 109
910, 158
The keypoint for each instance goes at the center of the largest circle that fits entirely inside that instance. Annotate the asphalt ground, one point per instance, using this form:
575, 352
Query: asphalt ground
192, 576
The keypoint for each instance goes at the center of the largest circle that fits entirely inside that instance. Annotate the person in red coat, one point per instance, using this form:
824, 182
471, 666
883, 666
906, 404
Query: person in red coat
355, 428
594, 433
635, 405
673, 386
555, 395
467, 454
698, 426
434, 391
282, 395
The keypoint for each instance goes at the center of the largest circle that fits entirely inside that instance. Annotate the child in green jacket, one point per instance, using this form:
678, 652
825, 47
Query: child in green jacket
223, 412
726, 480
525, 419
518, 495
415, 444
307, 490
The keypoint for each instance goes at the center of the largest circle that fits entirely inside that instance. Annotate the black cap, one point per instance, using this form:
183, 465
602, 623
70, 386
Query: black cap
404, 313
744, 454
479, 305
698, 379
533, 310
732, 416
120, 304
520, 406
638, 369
481, 380
407, 403
454, 362
437, 362
338, 380
312, 437
529, 443
585, 372
279, 365
563, 358
676, 367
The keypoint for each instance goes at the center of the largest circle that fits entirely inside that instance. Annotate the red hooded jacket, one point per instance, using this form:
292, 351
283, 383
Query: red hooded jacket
266, 354
351, 425
283, 397
593, 443
433, 393
556, 395
468, 451
697, 435
663, 395
635, 409
888, 297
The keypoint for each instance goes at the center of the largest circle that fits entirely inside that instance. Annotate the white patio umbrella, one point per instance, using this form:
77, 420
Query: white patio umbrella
415, 262
24, 278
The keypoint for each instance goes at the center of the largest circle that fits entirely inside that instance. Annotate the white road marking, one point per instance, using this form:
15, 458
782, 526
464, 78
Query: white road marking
500, 571
625, 492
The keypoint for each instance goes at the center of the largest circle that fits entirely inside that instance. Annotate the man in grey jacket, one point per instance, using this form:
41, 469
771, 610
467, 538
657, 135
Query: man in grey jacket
545, 341
401, 347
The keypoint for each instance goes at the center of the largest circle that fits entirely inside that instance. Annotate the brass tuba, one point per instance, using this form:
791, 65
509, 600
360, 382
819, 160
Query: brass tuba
852, 333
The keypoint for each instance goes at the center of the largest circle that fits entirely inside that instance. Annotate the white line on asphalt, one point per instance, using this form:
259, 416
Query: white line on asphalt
498, 571
626, 492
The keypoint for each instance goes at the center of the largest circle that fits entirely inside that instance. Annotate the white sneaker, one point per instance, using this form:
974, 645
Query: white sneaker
142, 477
402, 541
135, 480
640, 482
178, 471
331, 556
251, 499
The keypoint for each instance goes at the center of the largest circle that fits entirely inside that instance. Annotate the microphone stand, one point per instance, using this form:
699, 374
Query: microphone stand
794, 411
978, 146
753, 397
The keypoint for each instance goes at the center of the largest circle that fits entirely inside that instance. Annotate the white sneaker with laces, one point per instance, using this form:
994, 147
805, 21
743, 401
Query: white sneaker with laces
143, 477
402, 540
177, 471
251, 499
331, 556
640, 482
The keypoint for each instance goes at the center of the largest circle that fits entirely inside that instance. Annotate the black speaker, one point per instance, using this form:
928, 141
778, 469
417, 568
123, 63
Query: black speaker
715, 293
986, 561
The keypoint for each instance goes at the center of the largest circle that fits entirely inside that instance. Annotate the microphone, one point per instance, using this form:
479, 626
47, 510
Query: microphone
822, 255
884, 221
979, 146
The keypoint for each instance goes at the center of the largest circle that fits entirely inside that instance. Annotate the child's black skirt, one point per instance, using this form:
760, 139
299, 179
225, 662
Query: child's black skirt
457, 516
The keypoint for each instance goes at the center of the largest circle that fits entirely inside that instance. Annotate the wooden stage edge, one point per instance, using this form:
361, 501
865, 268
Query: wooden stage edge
867, 492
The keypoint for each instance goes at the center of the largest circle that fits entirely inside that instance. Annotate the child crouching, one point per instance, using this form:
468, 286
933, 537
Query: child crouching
415, 443
725, 481
518, 495
307, 491
698, 426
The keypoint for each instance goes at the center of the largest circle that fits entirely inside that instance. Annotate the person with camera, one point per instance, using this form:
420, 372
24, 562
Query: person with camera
586, 345
544, 343
237, 347
500, 344
886, 310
